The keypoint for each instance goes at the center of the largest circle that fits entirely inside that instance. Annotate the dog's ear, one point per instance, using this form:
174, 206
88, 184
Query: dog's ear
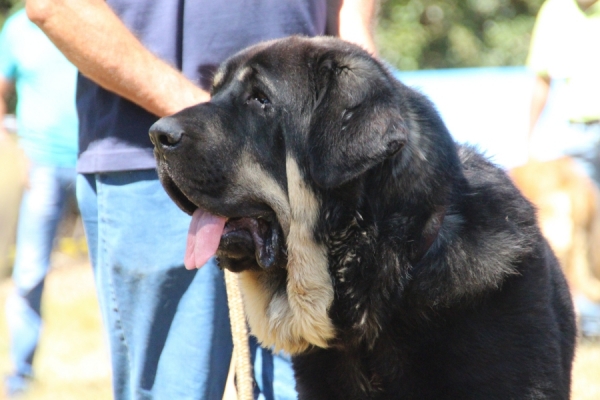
356, 122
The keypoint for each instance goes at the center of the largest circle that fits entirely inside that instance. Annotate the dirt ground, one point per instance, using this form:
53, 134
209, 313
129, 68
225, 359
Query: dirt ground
72, 362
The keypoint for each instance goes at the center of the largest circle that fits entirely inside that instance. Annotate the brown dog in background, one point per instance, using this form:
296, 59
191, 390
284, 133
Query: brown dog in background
568, 204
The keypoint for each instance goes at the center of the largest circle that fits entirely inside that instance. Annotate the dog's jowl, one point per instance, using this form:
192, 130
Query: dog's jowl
389, 261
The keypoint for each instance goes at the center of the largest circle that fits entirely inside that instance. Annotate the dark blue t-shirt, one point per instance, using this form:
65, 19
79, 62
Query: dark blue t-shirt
193, 35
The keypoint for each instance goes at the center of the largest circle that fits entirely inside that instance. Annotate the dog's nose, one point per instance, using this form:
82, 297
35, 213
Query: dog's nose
166, 133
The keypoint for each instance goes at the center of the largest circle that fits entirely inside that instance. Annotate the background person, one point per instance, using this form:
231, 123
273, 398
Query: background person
564, 47
47, 128
168, 327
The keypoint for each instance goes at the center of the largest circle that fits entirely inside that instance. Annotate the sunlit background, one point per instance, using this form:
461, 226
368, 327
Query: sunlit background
468, 56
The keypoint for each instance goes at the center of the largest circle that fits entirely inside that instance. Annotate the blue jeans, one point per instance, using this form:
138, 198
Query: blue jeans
273, 374
168, 328
42, 207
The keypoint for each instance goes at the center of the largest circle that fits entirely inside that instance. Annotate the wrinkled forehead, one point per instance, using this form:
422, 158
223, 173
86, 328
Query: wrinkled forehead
236, 67
274, 60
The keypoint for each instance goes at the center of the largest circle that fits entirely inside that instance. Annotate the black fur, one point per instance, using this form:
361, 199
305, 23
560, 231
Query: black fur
444, 287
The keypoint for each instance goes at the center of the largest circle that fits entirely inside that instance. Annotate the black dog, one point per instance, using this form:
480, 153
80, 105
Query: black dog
390, 262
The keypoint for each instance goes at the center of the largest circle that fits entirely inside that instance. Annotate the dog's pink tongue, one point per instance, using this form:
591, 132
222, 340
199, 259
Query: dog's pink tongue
203, 238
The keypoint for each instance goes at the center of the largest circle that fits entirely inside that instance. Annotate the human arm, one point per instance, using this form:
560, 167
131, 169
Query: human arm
120, 63
117, 61
6, 86
356, 19
541, 89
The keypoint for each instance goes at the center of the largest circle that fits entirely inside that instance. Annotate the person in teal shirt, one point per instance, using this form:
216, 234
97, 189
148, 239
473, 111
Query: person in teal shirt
47, 128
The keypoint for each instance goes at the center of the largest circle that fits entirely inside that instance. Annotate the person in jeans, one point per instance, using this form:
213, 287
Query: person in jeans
47, 129
139, 60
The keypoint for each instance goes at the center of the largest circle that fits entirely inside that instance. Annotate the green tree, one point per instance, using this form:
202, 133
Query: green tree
427, 34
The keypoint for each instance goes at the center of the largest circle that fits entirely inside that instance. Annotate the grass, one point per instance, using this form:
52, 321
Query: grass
586, 372
72, 361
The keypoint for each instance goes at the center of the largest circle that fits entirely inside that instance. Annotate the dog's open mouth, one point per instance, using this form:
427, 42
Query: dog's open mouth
246, 242
240, 243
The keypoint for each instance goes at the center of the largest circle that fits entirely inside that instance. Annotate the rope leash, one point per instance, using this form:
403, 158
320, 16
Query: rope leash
239, 332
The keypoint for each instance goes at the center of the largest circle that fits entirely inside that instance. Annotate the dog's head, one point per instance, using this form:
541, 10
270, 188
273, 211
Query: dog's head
288, 121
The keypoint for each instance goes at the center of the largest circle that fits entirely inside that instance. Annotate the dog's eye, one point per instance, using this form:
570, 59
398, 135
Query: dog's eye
259, 98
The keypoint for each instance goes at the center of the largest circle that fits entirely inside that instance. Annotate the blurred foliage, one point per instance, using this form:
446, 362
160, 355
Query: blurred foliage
7, 7
427, 34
